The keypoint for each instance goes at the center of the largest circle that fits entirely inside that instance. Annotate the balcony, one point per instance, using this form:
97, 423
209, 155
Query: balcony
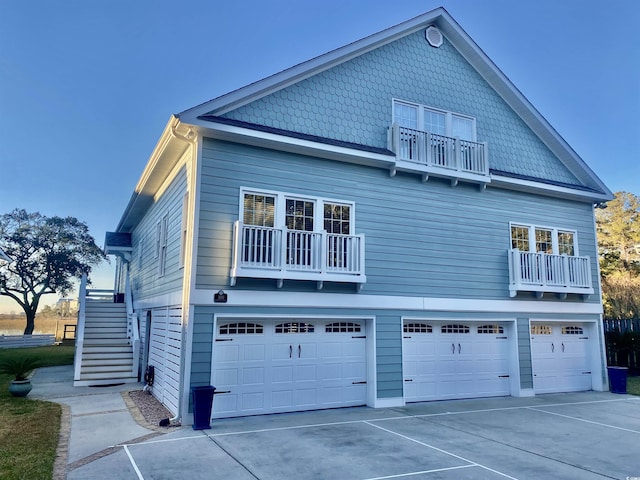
439, 155
542, 272
283, 254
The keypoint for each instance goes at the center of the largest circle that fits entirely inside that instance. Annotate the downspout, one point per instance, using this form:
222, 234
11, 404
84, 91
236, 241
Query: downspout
190, 140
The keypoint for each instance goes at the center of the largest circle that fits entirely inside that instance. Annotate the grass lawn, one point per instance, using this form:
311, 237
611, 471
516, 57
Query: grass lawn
29, 428
633, 385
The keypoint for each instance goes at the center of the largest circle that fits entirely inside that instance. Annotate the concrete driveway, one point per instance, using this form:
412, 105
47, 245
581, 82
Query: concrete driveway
586, 435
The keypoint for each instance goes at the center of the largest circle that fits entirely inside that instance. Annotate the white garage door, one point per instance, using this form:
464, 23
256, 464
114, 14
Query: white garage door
560, 358
461, 360
271, 366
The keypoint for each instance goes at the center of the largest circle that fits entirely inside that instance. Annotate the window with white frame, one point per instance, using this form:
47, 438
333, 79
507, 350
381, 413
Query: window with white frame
302, 219
183, 230
162, 244
434, 120
296, 212
531, 238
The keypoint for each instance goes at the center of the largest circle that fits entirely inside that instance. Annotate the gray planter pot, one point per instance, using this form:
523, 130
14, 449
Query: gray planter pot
20, 388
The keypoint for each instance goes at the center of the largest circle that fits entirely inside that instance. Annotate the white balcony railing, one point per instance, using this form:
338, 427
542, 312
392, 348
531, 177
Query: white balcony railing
543, 272
439, 154
283, 254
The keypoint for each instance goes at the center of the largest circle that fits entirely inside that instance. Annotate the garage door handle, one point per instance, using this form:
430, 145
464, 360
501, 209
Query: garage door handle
364, 336
459, 348
409, 380
299, 350
552, 347
290, 350
453, 348
563, 347
503, 376
358, 383
224, 339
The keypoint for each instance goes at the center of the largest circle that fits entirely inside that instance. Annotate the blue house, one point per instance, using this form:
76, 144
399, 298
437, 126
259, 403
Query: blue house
390, 222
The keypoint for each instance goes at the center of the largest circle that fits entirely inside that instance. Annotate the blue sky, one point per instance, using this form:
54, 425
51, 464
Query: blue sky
86, 87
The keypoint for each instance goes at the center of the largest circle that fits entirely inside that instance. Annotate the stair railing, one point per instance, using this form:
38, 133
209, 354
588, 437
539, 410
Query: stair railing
82, 296
133, 327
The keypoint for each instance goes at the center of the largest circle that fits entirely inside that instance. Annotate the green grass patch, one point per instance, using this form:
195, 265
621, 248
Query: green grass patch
29, 429
633, 385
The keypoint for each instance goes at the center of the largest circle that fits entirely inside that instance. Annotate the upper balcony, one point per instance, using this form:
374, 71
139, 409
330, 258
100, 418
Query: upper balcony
439, 155
283, 254
542, 272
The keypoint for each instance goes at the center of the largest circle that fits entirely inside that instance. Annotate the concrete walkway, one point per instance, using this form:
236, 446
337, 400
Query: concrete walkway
587, 435
95, 419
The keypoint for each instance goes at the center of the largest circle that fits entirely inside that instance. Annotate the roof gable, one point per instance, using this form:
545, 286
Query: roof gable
298, 98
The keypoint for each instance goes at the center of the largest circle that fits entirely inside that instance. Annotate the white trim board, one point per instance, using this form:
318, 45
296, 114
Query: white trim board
252, 298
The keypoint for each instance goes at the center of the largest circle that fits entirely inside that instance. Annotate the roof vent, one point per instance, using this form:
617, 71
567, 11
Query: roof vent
434, 36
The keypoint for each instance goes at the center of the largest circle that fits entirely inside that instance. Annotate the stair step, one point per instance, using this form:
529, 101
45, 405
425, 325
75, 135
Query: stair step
113, 335
106, 349
106, 356
105, 323
106, 341
105, 306
97, 362
115, 371
107, 381
108, 376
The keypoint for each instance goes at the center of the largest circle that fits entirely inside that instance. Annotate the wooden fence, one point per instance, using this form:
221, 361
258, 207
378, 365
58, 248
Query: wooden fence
23, 341
622, 339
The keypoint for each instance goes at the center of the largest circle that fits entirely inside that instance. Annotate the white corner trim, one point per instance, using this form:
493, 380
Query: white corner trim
252, 298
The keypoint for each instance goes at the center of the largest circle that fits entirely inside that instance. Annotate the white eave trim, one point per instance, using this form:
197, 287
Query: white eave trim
530, 186
257, 138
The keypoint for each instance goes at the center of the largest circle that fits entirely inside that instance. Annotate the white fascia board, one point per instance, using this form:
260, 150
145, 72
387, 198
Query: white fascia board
311, 67
519, 103
252, 298
247, 136
538, 188
165, 155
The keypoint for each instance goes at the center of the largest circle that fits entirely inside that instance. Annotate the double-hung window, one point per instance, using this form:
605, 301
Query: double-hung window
433, 120
531, 238
302, 221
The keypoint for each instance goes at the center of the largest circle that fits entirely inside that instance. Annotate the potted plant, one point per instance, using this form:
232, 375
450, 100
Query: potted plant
19, 368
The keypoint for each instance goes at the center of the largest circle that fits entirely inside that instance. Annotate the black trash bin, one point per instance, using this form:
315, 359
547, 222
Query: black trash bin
202, 403
618, 379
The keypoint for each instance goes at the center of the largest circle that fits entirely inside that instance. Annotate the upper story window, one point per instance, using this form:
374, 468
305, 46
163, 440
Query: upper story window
259, 210
433, 120
530, 238
295, 212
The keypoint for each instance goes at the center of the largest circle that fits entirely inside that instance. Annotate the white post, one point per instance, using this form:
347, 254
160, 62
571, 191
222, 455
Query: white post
82, 295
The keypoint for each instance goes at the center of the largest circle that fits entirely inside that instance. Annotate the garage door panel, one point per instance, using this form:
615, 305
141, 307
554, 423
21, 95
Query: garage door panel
282, 374
253, 376
254, 353
289, 366
454, 360
306, 397
560, 357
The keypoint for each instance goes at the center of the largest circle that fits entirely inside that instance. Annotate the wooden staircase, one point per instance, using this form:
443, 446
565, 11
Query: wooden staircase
106, 355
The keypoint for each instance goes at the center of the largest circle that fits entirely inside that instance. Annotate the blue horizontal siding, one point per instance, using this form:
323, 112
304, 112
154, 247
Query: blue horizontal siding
422, 239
